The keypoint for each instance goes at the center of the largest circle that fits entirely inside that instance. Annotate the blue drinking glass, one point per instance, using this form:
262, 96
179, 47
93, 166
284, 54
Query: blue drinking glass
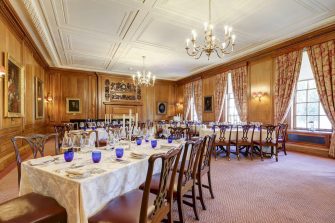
68, 155
85, 129
170, 139
139, 141
119, 152
96, 156
154, 143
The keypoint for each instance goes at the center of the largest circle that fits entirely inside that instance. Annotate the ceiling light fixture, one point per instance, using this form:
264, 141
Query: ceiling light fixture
211, 42
144, 77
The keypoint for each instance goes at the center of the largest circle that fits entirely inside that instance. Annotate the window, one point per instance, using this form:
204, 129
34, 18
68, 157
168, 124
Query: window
308, 110
231, 112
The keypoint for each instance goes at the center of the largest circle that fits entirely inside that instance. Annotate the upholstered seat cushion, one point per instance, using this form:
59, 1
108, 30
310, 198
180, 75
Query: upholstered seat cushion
31, 208
124, 209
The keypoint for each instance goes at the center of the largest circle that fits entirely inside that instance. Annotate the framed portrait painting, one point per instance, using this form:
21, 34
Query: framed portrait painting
161, 108
39, 98
13, 88
208, 104
73, 105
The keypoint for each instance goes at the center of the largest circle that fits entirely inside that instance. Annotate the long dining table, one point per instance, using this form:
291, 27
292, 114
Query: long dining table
98, 183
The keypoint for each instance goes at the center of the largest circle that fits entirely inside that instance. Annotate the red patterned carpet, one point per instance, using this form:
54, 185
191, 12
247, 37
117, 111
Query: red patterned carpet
299, 188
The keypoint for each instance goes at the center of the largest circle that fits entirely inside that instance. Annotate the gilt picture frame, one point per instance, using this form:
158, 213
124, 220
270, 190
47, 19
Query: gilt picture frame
73, 105
39, 98
13, 88
161, 108
208, 103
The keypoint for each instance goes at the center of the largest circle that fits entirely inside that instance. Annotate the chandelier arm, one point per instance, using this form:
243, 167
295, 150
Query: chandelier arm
199, 55
217, 53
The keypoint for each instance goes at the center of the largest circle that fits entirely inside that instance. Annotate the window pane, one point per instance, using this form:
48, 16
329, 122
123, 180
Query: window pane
322, 111
314, 119
311, 84
312, 108
313, 95
301, 109
301, 121
301, 96
302, 85
325, 123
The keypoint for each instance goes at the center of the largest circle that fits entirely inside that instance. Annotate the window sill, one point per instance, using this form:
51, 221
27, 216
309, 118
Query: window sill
316, 132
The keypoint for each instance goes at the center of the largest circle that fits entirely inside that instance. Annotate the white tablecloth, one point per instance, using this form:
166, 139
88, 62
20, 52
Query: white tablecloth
82, 198
206, 131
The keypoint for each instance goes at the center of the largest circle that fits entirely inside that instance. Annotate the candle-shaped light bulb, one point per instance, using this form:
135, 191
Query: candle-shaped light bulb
223, 45
205, 26
213, 38
153, 79
211, 27
187, 42
149, 74
133, 76
225, 30
194, 34
229, 31
233, 37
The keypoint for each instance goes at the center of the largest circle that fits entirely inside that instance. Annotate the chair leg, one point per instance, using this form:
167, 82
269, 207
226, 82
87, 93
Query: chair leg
180, 208
169, 217
251, 152
284, 148
261, 149
194, 201
276, 154
210, 183
238, 152
228, 152
272, 153
201, 194
216, 152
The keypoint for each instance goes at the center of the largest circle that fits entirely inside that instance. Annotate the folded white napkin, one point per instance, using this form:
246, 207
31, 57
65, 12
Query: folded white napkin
137, 155
78, 172
42, 160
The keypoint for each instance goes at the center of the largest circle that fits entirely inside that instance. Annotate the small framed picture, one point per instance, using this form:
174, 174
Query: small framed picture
39, 98
73, 105
208, 104
161, 108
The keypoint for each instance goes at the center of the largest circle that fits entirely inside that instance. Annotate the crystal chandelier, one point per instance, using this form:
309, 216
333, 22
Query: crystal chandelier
143, 78
211, 43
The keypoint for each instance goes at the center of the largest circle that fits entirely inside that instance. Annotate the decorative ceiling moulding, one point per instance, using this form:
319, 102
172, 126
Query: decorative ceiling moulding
10, 16
311, 38
32, 9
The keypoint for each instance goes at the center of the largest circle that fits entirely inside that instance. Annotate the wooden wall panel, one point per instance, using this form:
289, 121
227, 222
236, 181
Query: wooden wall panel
89, 87
15, 45
260, 77
208, 89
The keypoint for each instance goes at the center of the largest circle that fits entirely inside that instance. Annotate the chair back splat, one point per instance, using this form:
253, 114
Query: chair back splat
164, 197
36, 143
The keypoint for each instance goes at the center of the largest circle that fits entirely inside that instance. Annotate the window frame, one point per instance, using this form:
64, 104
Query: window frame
295, 103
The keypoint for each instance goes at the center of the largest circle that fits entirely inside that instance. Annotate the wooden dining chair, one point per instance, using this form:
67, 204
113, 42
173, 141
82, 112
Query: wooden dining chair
141, 205
223, 141
204, 167
180, 132
267, 139
36, 143
186, 178
243, 139
282, 135
60, 130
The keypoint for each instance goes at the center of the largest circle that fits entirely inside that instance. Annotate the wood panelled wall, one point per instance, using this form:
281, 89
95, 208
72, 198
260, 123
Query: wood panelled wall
16, 46
89, 87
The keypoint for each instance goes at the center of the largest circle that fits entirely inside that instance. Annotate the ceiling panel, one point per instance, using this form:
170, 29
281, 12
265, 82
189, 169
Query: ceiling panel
112, 35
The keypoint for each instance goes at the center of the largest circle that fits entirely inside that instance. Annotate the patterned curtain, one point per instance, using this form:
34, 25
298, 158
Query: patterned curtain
287, 68
187, 99
240, 82
197, 87
322, 57
220, 91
